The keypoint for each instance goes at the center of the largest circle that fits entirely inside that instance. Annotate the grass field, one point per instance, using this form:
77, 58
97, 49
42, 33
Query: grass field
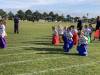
31, 53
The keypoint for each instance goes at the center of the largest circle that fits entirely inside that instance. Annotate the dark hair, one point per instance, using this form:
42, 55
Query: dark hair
98, 17
1, 20
53, 27
79, 33
72, 26
90, 25
85, 26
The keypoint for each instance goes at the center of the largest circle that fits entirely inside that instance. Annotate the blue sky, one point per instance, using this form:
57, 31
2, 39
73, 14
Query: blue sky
73, 7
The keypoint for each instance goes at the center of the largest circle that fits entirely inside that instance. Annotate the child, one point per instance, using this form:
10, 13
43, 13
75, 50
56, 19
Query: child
60, 32
97, 34
92, 29
82, 44
68, 41
55, 39
75, 35
87, 32
2, 35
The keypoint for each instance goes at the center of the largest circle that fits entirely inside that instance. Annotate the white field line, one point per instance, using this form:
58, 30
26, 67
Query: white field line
39, 59
21, 47
24, 61
37, 46
24, 53
18, 54
28, 46
62, 68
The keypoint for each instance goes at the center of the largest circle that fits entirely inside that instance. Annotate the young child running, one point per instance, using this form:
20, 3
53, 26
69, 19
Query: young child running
67, 37
60, 32
55, 39
82, 47
2, 35
87, 32
91, 30
75, 35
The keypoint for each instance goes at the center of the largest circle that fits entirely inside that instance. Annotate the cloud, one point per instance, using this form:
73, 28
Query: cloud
30, 3
65, 6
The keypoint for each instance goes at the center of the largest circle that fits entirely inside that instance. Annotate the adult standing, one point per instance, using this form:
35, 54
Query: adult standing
16, 24
79, 24
98, 23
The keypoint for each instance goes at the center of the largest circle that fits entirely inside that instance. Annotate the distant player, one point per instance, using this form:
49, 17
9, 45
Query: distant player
16, 24
2, 35
79, 25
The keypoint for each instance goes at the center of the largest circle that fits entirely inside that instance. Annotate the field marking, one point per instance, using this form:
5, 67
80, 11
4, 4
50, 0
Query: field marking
39, 59
25, 46
28, 46
24, 61
63, 68
21, 47
23, 53
26, 53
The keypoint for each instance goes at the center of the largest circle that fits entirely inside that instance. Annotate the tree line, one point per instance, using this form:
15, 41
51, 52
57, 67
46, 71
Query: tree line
36, 16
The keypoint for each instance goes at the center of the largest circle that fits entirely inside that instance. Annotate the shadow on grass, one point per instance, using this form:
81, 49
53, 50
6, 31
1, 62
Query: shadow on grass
39, 42
46, 41
50, 51
44, 38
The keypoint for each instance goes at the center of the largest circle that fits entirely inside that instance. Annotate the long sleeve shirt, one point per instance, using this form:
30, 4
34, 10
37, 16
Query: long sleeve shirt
2, 30
68, 34
83, 40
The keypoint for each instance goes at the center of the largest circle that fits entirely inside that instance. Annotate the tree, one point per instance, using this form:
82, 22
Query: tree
68, 18
61, 18
10, 15
55, 17
2, 13
28, 15
44, 16
85, 19
51, 16
21, 14
76, 19
36, 16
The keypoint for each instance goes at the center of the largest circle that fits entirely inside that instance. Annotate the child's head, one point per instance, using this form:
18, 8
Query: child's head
59, 26
72, 27
85, 26
53, 27
81, 33
65, 28
90, 25
4, 22
69, 28
1, 22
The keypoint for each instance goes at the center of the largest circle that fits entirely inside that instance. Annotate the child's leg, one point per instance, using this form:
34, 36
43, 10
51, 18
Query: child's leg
66, 46
82, 50
56, 40
2, 42
70, 42
99, 33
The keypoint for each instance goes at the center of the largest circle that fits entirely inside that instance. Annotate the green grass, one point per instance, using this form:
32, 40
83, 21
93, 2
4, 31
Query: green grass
31, 53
